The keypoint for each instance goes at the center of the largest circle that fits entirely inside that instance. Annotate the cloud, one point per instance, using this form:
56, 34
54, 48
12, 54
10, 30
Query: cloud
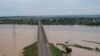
49, 7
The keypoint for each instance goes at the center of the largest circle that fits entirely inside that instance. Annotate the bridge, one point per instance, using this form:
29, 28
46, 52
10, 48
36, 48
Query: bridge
43, 46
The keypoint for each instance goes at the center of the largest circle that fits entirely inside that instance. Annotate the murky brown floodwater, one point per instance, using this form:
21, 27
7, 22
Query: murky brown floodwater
27, 34
74, 34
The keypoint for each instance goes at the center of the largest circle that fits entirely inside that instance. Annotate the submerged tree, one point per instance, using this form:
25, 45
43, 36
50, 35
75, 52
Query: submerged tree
67, 50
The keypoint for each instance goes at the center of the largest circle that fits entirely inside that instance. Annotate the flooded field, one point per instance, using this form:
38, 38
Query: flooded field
13, 40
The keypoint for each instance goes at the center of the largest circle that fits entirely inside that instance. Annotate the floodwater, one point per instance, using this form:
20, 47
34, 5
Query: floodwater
75, 34
14, 38
11, 45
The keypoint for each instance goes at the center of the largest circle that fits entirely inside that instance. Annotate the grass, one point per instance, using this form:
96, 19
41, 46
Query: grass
31, 50
55, 51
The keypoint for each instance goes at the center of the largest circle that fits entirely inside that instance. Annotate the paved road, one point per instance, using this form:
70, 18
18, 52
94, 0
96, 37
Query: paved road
43, 47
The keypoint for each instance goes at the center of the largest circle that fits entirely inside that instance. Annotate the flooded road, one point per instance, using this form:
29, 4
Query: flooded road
27, 34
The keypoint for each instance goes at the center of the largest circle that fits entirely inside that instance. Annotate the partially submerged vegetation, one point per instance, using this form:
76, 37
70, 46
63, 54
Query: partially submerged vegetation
57, 20
78, 46
87, 48
31, 50
55, 51
67, 50
83, 47
91, 41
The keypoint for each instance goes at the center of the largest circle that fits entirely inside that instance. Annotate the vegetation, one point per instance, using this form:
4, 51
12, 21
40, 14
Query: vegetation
91, 41
58, 20
55, 51
97, 49
31, 50
87, 48
83, 47
70, 21
18, 21
67, 50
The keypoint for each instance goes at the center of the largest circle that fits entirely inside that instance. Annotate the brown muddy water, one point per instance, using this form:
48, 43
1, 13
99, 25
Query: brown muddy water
12, 41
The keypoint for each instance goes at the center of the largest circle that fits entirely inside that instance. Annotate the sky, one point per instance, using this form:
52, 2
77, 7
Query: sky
49, 7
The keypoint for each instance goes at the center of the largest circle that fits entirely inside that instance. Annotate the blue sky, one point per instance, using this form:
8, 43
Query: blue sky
49, 7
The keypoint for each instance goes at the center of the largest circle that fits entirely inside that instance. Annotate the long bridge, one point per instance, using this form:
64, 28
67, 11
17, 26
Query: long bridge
43, 45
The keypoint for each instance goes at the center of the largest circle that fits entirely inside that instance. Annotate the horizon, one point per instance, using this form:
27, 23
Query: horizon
49, 15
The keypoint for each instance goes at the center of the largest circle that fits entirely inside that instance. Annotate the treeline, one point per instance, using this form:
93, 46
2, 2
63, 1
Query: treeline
72, 21
52, 20
18, 21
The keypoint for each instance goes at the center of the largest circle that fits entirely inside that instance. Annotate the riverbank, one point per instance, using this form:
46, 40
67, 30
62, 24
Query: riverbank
31, 50
55, 51
92, 21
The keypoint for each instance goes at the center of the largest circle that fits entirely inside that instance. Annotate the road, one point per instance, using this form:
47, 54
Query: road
43, 47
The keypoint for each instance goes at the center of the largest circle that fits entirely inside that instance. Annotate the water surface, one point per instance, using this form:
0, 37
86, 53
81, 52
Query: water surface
12, 45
